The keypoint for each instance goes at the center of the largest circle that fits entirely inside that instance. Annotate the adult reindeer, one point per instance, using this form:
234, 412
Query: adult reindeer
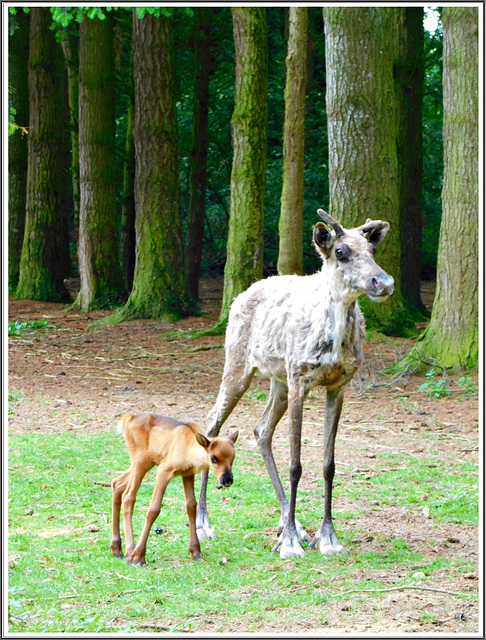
301, 332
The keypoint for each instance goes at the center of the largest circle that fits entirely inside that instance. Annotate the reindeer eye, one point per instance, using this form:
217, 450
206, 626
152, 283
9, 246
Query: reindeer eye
341, 255
214, 459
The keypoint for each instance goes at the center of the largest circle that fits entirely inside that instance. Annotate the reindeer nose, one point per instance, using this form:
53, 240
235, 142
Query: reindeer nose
382, 285
226, 479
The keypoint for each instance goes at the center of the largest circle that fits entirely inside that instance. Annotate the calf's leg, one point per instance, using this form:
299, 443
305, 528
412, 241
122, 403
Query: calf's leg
191, 506
118, 486
137, 474
161, 481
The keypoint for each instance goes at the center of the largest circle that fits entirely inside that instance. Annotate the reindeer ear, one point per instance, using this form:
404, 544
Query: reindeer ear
234, 436
323, 238
374, 230
202, 440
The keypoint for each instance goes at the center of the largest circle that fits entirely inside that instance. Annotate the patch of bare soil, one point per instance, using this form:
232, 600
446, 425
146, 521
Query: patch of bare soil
75, 376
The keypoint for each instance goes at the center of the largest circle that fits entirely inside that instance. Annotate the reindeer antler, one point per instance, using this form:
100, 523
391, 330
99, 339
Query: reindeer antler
330, 220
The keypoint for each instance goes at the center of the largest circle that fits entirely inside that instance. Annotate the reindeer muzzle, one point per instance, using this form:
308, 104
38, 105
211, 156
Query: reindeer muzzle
381, 287
226, 480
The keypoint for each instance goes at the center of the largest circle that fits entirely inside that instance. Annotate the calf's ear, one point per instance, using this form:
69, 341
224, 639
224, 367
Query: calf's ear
202, 440
323, 238
234, 436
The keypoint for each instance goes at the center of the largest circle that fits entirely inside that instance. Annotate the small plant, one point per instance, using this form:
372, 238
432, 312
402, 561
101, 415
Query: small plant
256, 394
18, 328
14, 396
469, 386
435, 388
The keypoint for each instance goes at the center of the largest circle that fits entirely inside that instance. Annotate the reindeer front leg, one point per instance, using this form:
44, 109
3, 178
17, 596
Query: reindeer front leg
289, 541
326, 537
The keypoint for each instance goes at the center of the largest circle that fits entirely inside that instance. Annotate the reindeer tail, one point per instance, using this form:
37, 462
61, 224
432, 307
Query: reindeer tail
123, 421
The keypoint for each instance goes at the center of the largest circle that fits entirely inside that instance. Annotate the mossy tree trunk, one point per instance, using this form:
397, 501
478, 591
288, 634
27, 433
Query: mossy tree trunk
244, 260
200, 135
45, 259
409, 77
452, 335
70, 44
127, 223
362, 114
290, 255
18, 98
160, 281
99, 269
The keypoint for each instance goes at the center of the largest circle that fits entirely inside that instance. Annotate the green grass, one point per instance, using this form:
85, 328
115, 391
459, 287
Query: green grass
18, 328
62, 577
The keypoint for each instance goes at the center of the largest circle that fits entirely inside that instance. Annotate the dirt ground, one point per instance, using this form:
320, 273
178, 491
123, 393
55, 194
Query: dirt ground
74, 376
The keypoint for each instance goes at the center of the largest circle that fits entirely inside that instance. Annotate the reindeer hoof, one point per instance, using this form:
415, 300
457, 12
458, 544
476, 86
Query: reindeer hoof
289, 545
328, 543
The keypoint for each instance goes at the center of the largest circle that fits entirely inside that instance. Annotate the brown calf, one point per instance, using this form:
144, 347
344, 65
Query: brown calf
178, 449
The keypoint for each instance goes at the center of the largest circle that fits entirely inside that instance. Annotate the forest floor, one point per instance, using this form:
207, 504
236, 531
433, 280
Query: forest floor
74, 376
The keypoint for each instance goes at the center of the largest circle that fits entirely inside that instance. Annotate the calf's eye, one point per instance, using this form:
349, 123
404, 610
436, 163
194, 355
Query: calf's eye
214, 460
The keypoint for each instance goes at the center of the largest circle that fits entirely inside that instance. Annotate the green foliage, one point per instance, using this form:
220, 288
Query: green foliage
435, 388
14, 396
18, 328
433, 160
168, 12
469, 385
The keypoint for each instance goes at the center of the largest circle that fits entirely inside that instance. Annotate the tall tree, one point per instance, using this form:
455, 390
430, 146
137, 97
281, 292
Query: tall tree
160, 281
290, 255
361, 46
197, 198
18, 89
127, 221
45, 260
244, 260
452, 335
409, 76
69, 41
99, 269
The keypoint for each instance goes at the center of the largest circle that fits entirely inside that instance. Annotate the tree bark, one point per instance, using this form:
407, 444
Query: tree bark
409, 78
99, 270
18, 61
361, 46
70, 49
452, 335
160, 281
290, 256
244, 261
45, 259
200, 134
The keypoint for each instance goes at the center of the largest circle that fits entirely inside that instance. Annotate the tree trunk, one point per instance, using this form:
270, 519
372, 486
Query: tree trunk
18, 61
197, 199
99, 269
290, 256
244, 261
361, 46
127, 223
452, 335
70, 48
45, 260
409, 77
160, 282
